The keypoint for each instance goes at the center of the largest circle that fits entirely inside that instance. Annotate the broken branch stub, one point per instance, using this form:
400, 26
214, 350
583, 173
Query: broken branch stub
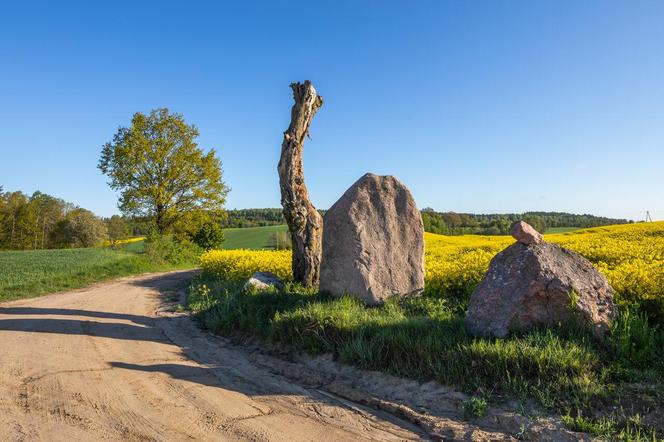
304, 221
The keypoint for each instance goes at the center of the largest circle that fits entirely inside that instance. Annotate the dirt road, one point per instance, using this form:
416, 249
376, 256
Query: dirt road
104, 364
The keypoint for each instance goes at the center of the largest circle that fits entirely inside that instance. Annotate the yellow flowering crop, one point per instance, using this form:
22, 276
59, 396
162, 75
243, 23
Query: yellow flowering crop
107, 243
631, 256
237, 264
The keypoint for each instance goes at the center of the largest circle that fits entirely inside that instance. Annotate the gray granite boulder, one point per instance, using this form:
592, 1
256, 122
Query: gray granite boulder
373, 242
263, 280
538, 284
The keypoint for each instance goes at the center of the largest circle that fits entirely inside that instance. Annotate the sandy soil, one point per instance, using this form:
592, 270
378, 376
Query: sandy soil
111, 362
102, 363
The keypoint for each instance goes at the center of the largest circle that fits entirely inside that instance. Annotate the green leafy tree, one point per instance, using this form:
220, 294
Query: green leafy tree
536, 221
46, 212
160, 171
209, 236
4, 216
117, 229
15, 216
203, 227
82, 228
79, 228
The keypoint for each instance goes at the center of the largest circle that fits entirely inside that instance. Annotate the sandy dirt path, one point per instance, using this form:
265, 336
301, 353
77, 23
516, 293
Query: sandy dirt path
104, 364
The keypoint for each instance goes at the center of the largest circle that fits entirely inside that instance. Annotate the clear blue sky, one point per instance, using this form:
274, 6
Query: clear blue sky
477, 106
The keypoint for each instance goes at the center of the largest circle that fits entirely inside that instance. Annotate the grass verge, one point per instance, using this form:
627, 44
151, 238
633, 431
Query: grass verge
564, 369
31, 273
619, 429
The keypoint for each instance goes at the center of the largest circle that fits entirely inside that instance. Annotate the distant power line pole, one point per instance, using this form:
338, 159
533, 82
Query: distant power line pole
648, 217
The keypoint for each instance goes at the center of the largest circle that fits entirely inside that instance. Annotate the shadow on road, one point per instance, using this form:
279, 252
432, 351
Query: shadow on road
167, 285
205, 360
24, 311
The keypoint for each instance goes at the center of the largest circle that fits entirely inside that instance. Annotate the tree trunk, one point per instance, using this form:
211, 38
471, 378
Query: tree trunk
304, 221
161, 228
36, 234
11, 238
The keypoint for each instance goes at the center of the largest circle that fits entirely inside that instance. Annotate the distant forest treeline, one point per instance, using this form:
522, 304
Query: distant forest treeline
446, 223
42, 221
253, 218
450, 223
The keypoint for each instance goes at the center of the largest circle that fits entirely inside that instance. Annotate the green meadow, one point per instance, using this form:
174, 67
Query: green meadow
28, 273
250, 237
560, 230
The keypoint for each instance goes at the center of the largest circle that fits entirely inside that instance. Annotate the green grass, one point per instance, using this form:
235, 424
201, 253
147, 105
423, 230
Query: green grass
619, 429
28, 273
250, 237
424, 338
561, 229
135, 247
475, 407
259, 237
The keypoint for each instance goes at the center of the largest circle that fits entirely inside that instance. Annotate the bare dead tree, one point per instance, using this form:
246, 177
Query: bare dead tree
304, 221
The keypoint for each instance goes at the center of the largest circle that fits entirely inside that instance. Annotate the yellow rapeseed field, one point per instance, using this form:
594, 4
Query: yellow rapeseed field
108, 243
241, 263
631, 256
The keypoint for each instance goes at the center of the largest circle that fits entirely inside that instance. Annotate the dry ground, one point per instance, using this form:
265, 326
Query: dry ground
111, 362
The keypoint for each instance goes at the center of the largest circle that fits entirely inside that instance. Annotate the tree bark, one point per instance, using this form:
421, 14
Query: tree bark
304, 221
159, 219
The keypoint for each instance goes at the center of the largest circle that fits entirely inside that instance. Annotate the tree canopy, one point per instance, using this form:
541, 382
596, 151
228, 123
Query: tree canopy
160, 171
117, 228
447, 223
41, 221
451, 223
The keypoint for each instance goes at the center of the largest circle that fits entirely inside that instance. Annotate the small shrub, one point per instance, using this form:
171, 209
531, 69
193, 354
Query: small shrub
171, 249
209, 236
475, 407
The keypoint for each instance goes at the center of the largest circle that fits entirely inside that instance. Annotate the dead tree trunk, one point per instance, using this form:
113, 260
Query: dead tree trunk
304, 221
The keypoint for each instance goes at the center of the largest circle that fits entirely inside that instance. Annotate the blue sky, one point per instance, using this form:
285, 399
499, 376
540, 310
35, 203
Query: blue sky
476, 106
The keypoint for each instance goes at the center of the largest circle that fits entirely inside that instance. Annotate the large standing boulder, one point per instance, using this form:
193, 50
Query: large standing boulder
373, 242
535, 283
